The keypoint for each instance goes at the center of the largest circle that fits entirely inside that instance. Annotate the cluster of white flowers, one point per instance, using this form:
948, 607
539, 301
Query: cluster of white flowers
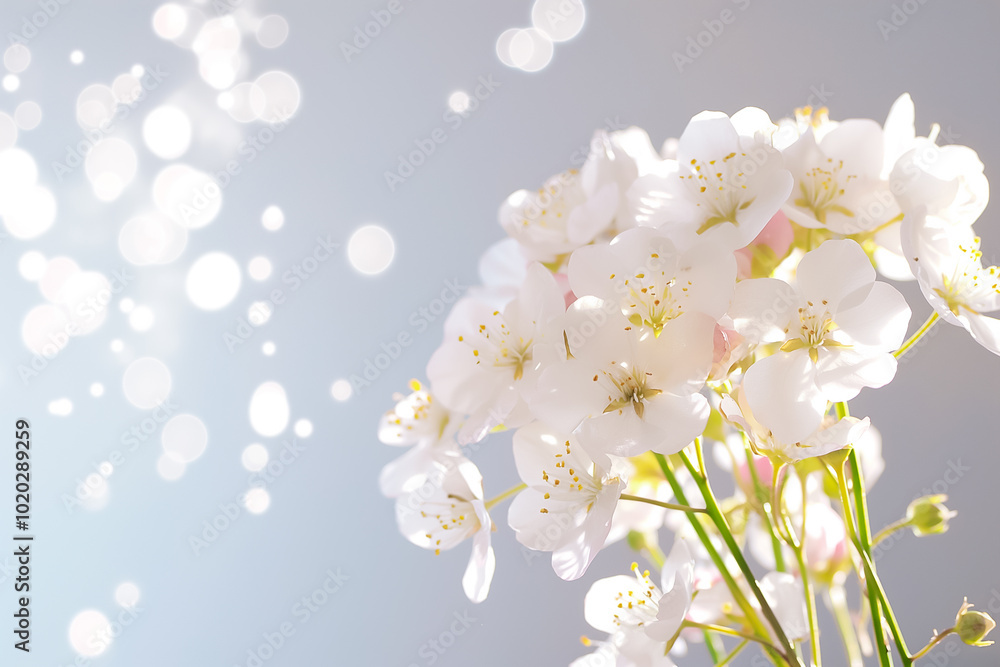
723, 290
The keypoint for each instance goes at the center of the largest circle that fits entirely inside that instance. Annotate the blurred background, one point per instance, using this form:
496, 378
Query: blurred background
204, 474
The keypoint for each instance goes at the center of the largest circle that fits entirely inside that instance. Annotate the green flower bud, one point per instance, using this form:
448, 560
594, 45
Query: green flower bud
636, 540
929, 516
973, 626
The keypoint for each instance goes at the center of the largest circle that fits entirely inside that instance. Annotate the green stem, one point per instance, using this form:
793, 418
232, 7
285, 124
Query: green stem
723, 630
890, 529
837, 600
807, 584
852, 531
505, 495
749, 612
735, 652
727, 535
762, 498
934, 642
669, 506
915, 338
714, 646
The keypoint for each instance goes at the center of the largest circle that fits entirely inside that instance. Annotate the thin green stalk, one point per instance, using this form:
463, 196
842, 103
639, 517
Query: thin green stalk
749, 612
732, 655
807, 585
505, 495
890, 529
658, 503
714, 646
918, 334
837, 601
761, 494
727, 536
897, 635
723, 630
932, 643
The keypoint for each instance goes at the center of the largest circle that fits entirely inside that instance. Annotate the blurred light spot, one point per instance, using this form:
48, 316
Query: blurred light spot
459, 101
29, 212
268, 348
97, 390
184, 438
32, 265
146, 382
504, 44
259, 313
370, 249
17, 171
257, 500
341, 390
219, 68
90, 633
86, 296
259, 268
272, 31
213, 281
105, 468
16, 58
275, 96
110, 165
61, 407
127, 594
126, 305
303, 428
238, 102
126, 88
225, 100
272, 219
76, 57
254, 457
531, 50
152, 239
58, 271
269, 409
137, 70
28, 115
95, 106
142, 318
117, 345
167, 132
43, 330
559, 20
8, 131
189, 197
11, 83
170, 468
170, 21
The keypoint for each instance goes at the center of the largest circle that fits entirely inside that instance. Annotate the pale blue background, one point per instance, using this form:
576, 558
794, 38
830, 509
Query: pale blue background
326, 172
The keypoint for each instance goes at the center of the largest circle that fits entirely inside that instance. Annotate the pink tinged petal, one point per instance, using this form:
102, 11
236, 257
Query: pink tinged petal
482, 563
985, 330
762, 309
777, 234
879, 322
838, 273
571, 560
842, 373
782, 394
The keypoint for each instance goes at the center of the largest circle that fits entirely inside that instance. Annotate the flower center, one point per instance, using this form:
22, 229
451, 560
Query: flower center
821, 190
971, 286
639, 607
628, 387
455, 520
508, 350
815, 330
653, 303
719, 186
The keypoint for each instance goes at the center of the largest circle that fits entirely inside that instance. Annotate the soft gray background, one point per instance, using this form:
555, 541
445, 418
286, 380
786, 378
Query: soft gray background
326, 172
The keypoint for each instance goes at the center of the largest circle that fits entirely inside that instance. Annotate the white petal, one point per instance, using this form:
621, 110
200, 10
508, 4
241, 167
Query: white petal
762, 309
571, 560
482, 563
781, 391
880, 321
838, 273
986, 331
842, 373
